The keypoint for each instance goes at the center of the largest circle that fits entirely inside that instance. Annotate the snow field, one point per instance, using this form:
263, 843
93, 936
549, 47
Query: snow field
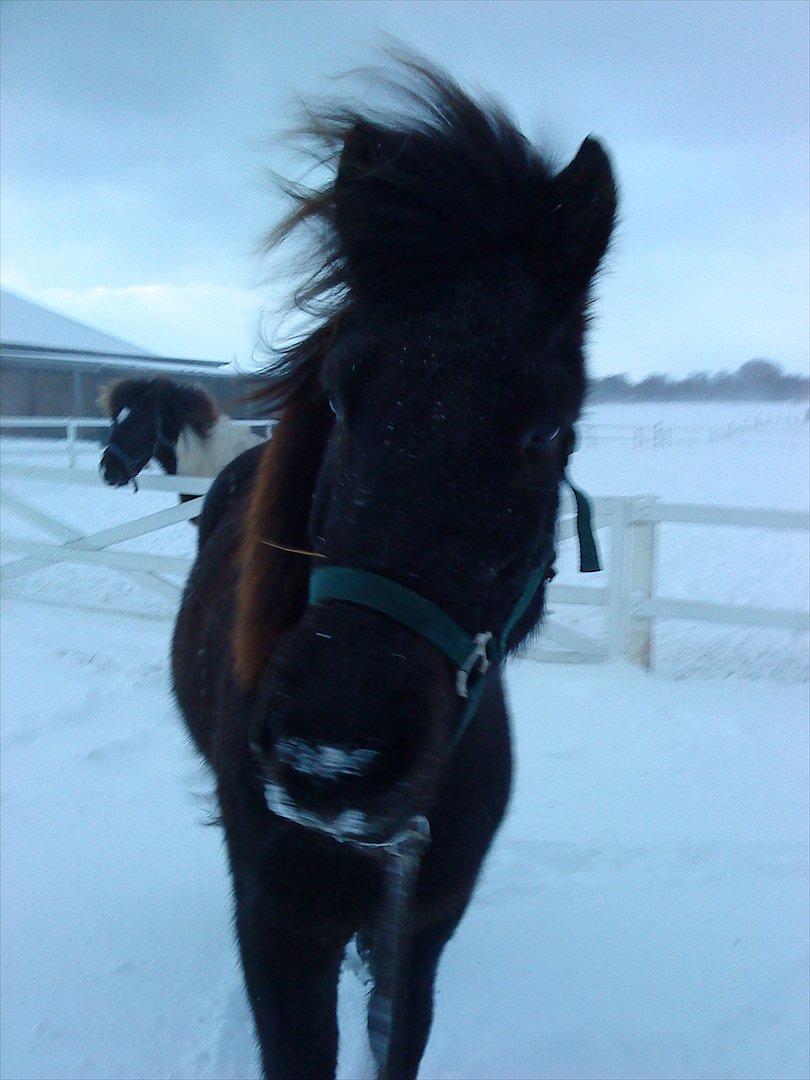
643, 912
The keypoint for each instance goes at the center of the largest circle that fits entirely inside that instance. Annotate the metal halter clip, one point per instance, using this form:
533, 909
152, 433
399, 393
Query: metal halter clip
477, 658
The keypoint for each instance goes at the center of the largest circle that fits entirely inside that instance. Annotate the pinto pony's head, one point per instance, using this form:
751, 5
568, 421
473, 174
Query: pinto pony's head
147, 417
425, 426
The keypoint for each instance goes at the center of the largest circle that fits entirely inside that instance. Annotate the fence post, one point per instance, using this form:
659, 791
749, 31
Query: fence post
71, 441
643, 539
617, 580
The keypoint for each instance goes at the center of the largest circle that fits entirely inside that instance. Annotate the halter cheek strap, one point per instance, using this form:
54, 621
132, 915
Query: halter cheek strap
588, 551
471, 655
134, 465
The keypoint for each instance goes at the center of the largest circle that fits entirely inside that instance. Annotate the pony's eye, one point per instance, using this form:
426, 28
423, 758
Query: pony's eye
336, 407
543, 437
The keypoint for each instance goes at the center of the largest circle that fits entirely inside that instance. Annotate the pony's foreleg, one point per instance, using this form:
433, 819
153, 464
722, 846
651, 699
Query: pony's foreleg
291, 974
414, 1014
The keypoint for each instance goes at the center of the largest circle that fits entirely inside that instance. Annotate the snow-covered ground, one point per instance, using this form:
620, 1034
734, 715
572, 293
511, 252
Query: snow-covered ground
643, 912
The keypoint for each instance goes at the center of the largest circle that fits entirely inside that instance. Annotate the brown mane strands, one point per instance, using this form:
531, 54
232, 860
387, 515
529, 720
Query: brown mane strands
113, 397
273, 583
200, 408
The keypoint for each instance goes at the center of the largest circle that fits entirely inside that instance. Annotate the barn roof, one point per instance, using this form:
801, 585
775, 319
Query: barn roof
30, 333
25, 323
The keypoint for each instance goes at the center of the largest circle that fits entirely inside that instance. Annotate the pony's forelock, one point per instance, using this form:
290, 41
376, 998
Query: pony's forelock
416, 190
418, 193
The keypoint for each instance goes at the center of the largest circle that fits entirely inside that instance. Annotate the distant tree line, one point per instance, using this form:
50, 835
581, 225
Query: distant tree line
758, 380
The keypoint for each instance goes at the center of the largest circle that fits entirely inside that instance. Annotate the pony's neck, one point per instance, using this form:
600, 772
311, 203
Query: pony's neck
197, 456
273, 583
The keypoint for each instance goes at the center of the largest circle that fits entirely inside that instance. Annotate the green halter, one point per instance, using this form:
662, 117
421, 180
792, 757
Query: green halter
471, 656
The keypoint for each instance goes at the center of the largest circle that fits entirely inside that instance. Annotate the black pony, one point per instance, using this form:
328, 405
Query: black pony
425, 426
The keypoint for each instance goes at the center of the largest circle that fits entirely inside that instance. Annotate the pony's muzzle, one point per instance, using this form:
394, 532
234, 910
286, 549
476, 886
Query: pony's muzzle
322, 788
349, 724
113, 470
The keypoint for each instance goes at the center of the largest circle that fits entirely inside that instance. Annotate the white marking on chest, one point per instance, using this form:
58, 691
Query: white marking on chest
326, 762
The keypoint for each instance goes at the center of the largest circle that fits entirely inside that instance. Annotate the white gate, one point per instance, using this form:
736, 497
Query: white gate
67, 544
628, 596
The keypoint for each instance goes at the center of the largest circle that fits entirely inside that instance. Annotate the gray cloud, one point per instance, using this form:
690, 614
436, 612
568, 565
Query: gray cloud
134, 135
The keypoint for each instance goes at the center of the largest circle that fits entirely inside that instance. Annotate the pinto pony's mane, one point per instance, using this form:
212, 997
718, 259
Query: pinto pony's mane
189, 404
418, 195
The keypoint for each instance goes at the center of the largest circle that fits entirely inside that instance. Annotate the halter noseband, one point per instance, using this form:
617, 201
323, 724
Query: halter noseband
134, 465
471, 655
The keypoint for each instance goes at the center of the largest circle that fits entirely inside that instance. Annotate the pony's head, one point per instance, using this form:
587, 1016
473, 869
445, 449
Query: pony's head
425, 428
147, 417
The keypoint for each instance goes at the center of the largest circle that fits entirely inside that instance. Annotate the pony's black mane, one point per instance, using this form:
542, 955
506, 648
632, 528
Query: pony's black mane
189, 404
417, 195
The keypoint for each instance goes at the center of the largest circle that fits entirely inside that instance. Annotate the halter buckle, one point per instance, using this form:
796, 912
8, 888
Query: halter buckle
476, 663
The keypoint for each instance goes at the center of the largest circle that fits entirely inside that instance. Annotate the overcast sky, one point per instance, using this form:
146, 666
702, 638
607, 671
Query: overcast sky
134, 136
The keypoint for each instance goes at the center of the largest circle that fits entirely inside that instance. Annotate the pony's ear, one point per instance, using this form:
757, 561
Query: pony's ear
583, 215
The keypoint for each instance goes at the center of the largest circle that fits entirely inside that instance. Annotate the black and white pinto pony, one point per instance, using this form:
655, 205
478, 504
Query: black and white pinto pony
338, 653
176, 424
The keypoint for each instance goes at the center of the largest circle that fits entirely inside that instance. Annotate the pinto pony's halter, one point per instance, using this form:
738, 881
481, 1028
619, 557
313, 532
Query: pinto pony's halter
134, 465
472, 656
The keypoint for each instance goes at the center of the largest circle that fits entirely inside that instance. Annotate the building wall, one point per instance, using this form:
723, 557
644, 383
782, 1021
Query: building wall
16, 393
32, 388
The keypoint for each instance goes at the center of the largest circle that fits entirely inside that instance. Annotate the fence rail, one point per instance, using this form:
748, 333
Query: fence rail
73, 443
630, 597
627, 597
642, 436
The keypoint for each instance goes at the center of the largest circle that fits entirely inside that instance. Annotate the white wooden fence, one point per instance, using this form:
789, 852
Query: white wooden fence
69, 545
628, 596
657, 435
640, 436
76, 430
